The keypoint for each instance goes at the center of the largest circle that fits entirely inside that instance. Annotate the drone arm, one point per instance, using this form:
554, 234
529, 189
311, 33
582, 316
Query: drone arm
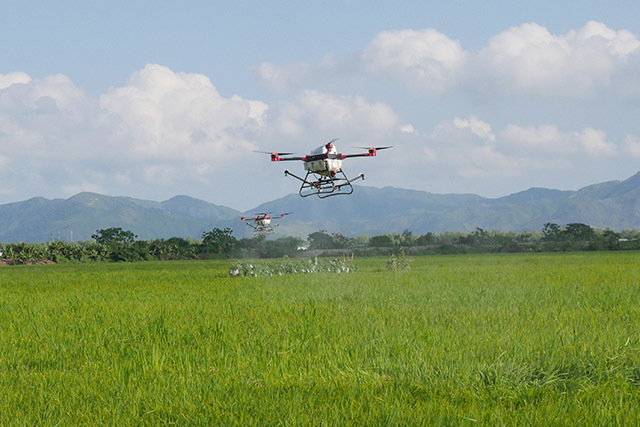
369, 154
284, 159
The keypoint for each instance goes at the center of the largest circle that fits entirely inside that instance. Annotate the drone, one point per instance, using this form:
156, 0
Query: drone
324, 176
262, 222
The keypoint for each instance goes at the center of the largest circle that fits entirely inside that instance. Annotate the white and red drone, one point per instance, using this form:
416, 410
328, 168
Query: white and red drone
262, 222
324, 176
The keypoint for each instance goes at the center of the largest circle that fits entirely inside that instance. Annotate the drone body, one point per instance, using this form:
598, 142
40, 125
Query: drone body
262, 223
324, 176
323, 160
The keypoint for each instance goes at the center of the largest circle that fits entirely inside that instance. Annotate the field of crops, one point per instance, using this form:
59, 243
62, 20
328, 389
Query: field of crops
479, 339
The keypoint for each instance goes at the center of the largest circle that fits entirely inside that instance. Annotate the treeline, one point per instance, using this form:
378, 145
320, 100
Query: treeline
116, 244
552, 238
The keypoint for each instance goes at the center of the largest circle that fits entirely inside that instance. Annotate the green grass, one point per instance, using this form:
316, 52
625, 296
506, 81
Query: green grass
479, 339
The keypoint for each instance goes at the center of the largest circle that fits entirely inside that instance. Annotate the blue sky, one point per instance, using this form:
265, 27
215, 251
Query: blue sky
154, 99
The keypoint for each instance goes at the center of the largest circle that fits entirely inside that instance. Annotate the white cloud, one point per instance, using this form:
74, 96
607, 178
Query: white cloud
181, 116
544, 139
547, 139
407, 129
468, 148
162, 128
476, 126
46, 118
9, 79
426, 59
327, 115
281, 77
529, 59
595, 143
523, 60
632, 143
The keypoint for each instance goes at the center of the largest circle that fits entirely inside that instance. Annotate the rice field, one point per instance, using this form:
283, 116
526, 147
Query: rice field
522, 339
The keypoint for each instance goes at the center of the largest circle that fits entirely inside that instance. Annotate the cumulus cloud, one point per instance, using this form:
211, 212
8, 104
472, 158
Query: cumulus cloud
160, 127
548, 139
181, 116
7, 80
594, 142
45, 118
529, 59
426, 59
468, 147
314, 112
281, 78
476, 126
464, 152
632, 144
523, 60
165, 132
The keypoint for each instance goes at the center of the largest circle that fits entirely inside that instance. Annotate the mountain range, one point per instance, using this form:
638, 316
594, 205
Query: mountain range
369, 210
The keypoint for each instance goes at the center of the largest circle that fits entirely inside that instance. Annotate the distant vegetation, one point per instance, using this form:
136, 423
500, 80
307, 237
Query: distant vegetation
116, 244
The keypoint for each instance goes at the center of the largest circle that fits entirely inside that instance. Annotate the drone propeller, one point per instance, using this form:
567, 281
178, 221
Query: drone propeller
272, 152
375, 148
270, 213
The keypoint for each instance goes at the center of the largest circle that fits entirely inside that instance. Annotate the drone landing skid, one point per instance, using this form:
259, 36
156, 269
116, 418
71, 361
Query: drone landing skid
260, 231
325, 186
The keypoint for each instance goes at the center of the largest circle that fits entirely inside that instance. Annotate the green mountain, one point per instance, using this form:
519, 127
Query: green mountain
368, 210
374, 211
77, 218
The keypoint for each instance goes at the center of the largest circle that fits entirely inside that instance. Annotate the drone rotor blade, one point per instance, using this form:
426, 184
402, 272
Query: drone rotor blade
375, 148
272, 152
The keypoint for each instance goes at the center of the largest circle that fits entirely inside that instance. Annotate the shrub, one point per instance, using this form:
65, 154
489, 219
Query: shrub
398, 262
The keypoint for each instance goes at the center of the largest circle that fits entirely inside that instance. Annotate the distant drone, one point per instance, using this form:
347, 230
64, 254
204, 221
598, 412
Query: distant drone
324, 176
262, 222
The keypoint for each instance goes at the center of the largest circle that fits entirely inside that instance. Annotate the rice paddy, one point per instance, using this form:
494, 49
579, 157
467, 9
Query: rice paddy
463, 340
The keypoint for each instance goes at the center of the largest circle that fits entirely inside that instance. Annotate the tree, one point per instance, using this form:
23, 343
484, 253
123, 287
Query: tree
426, 239
220, 240
320, 240
341, 241
121, 244
610, 239
106, 236
405, 239
282, 246
579, 232
253, 246
551, 231
172, 248
381, 241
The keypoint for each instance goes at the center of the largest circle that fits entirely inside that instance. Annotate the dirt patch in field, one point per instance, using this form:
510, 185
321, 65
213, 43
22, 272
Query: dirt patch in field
40, 262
